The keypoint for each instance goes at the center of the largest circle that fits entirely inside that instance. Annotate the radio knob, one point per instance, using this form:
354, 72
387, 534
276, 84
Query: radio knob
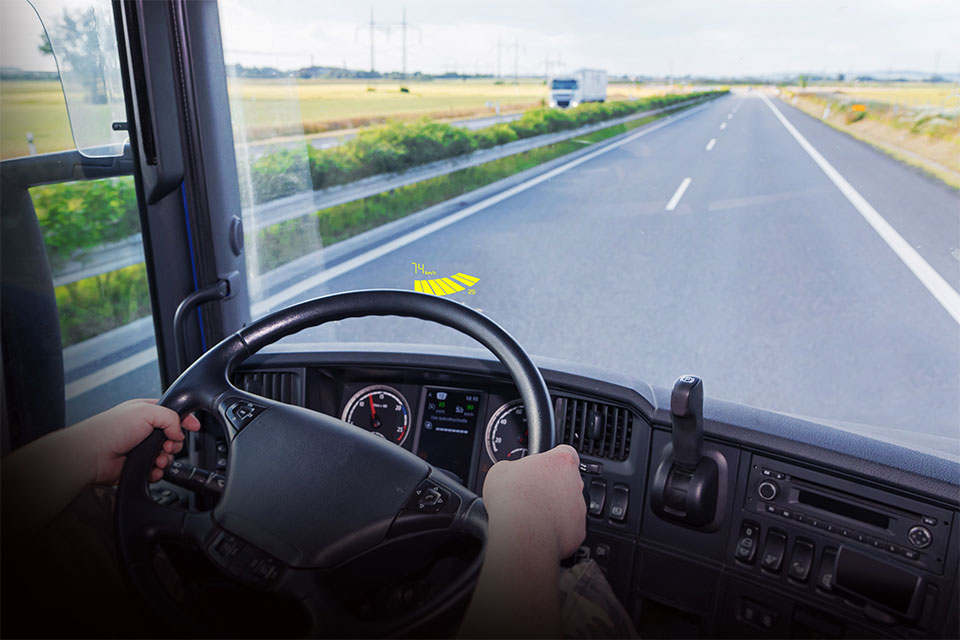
768, 490
920, 537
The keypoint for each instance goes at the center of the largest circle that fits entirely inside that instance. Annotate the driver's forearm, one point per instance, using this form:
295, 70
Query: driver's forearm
41, 479
516, 594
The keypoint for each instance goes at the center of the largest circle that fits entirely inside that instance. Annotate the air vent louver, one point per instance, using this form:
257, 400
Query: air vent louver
283, 386
594, 428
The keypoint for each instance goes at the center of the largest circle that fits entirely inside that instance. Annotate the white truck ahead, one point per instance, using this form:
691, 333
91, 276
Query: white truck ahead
583, 85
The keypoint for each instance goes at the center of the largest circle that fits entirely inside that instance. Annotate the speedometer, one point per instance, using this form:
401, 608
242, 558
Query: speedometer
507, 435
380, 409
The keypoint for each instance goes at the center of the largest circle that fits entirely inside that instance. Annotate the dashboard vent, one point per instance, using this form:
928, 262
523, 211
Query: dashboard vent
283, 386
594, 428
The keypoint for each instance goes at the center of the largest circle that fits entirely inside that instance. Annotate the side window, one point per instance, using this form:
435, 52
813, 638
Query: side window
61, 94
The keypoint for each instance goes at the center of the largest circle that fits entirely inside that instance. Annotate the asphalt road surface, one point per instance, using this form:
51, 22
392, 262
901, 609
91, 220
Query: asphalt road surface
714, 245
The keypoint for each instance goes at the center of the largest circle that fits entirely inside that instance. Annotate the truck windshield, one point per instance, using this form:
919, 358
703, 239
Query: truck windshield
566, 85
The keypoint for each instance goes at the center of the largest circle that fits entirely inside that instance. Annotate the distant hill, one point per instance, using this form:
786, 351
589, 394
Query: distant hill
240, 71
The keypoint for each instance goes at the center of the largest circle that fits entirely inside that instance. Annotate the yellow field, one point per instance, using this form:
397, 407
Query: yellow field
942, 95
34, 106
272, 107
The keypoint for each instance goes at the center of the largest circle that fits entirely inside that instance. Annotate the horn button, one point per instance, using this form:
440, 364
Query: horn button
312, 490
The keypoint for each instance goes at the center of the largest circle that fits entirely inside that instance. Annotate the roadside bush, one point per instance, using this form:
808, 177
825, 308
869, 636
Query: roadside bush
400, 145
75, 216
854, 116
279, 174
89, 307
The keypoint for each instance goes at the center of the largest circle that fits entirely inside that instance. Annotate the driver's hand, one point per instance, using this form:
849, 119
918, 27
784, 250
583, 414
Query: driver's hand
113, 433
539, 499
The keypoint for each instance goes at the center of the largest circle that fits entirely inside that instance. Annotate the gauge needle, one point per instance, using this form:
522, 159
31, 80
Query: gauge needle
374, 421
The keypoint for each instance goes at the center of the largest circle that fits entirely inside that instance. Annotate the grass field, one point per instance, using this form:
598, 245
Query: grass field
270, 108
917, 124
35, 106
909, 94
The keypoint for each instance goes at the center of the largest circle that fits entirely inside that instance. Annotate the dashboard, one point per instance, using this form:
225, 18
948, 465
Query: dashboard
815, 532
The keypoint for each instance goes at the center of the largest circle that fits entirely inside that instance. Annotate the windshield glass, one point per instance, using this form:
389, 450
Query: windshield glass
568, 85
747, 192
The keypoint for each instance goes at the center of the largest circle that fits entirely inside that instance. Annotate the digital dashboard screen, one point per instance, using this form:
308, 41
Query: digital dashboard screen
448, 430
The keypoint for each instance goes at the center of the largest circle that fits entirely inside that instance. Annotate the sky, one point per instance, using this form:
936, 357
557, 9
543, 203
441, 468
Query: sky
697, 37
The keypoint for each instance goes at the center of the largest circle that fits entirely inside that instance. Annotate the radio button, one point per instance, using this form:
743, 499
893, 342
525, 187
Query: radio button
768, 490
929, 521
910, 554
920, 537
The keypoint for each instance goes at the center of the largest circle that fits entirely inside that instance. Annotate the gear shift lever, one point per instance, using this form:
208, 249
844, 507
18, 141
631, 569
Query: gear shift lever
687, 483
686, 416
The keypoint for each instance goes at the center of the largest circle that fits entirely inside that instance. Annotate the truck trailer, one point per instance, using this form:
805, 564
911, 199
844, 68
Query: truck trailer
583, 85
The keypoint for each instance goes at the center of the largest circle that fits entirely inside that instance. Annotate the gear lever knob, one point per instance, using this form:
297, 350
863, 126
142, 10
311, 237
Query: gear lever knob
686, 416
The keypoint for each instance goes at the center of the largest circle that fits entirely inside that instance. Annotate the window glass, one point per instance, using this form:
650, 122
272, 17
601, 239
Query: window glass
80, 36
722, 196
91, 229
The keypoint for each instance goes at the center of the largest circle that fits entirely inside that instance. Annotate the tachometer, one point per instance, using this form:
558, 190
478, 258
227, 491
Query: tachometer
380, 409
507, 435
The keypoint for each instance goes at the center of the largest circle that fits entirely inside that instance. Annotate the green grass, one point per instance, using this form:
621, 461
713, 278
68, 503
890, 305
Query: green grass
286, 241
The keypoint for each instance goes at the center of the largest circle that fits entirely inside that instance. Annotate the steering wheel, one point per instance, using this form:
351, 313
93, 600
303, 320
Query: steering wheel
307, 494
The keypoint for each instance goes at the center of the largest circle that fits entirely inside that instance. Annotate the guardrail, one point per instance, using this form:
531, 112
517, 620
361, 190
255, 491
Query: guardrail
129, 251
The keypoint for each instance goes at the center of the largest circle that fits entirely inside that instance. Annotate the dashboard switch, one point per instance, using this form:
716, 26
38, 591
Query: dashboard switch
773, 550
598, 494
747, 543
800, 560
828, 563
618, 502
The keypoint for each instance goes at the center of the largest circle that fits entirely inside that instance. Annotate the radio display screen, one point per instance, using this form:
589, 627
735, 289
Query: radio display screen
449, 428
840, 508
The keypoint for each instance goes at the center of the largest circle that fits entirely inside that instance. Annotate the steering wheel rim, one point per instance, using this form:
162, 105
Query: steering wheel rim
205, 385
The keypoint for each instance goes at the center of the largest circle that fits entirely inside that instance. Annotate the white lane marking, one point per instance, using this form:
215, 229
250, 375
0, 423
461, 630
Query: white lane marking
729, 116
675, 200
710, 144
109, 373
344, 267
137, 360
946, 295
723, 125
738, 106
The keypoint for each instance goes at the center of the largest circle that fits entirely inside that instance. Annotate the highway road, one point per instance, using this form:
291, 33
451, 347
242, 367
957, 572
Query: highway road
800, 271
